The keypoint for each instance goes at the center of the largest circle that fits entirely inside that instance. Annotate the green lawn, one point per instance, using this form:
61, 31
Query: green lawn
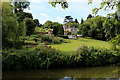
74, 44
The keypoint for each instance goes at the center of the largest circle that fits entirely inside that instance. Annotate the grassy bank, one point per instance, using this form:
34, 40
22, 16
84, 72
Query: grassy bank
74, 44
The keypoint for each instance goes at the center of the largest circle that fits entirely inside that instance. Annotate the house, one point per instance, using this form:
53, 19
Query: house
73, 29
65, 32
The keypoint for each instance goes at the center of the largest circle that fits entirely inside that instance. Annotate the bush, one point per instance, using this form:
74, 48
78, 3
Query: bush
94, 57
56, 41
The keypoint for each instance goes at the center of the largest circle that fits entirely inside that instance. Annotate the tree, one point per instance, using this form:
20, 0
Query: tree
63, 3
111, 26
68, 19
58, 29
10, 27
82, 21
36, 21
93, 27
89, 16
22, 15
76, 21
107, 4
30, 26
48, 24
72, 24
19, 8
116, 43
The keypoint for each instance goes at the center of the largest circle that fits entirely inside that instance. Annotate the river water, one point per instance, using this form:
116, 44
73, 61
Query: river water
88, 73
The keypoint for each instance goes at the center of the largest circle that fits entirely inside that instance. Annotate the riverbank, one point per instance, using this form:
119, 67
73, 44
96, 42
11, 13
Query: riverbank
48, 58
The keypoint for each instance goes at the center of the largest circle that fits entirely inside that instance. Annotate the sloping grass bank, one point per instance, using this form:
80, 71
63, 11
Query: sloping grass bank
74, 44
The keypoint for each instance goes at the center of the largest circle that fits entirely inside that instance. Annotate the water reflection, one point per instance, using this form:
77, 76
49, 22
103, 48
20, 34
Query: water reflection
93, 73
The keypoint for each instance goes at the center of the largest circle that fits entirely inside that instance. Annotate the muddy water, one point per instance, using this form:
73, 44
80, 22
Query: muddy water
90, 73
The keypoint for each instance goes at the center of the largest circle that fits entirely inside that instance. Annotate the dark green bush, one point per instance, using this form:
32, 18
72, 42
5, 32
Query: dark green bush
94, 57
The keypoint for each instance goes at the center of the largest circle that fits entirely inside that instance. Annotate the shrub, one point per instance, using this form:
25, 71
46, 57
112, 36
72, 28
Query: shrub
47, 57
94, 57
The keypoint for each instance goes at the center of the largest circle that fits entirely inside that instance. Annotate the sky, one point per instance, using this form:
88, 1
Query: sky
44, 11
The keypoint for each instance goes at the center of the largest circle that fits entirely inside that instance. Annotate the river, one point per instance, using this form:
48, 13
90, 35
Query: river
88, 73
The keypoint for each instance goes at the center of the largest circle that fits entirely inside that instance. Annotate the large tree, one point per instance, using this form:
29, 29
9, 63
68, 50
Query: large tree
36, 21
58, 29
89, 16
93, 27
48, 24
30, 26
11, 32
68, 19
19, 8
76, 21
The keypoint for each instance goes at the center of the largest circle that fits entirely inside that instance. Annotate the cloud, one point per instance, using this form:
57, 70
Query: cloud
60, 19
42, 21
29, 11
44, 14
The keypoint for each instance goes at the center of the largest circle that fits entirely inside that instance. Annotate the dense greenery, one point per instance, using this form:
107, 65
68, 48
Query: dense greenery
15, 24
30, 26
52, 39
58, 29
100, 27
42, 57
11, 29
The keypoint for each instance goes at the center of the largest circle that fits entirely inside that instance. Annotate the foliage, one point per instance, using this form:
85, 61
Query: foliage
30, 26
107, 4
76, 21
52, 39
89, 16
36, 21
94, 57
11, 29
82, 21
72, 24
19, 10
20, 6
47, 57
93, 27
22, 29
63, 3
116, 43
111, 26
58, 29
48, 24
68, 19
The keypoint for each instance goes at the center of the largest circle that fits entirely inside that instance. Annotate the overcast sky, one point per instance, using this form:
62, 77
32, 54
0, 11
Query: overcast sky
43, 11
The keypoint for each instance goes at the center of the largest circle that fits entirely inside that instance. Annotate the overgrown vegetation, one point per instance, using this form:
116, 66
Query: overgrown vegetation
42, 57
